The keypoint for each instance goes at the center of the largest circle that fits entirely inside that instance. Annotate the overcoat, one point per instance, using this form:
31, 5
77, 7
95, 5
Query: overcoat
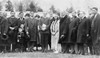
73, 26
64, 29
95, 34
30, 25
83, 31
3, 28
95, 31
12, 22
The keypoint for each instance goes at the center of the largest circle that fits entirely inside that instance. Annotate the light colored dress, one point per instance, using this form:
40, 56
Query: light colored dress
55, 36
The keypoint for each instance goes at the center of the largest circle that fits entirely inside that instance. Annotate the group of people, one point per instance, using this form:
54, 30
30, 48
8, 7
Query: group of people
76, 34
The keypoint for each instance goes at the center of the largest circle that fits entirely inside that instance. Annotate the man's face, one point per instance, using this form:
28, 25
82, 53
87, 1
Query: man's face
82, 14
93, 11
62, 15
74, 14
55, 17
5, 15
26, 17
36, 18
21, 15
12, 14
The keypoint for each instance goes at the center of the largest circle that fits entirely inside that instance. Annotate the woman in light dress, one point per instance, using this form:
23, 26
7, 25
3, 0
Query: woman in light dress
55, 34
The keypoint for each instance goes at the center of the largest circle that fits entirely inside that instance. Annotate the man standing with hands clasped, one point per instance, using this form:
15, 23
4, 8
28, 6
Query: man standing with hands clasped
95, 31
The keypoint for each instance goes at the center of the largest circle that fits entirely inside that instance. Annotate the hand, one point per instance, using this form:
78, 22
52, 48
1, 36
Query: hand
0, 32
27, 32
12, 28
62, 36
87, 35
4, 34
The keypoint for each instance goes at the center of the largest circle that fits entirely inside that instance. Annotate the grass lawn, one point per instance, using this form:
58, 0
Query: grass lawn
43, 55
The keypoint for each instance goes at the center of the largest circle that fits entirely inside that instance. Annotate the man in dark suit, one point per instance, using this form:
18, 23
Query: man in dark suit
31, 28
64, 31
72, 38
95, 30
83, 32
12, 31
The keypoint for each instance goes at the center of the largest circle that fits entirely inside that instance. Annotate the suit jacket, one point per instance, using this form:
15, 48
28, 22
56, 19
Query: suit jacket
13, 22
21, 22
95, 31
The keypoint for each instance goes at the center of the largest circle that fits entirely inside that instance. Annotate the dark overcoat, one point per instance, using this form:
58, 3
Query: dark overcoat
3, 29
73, 26
64, 29
12, 22
83, 31
95, 31
32, 28
95, 34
